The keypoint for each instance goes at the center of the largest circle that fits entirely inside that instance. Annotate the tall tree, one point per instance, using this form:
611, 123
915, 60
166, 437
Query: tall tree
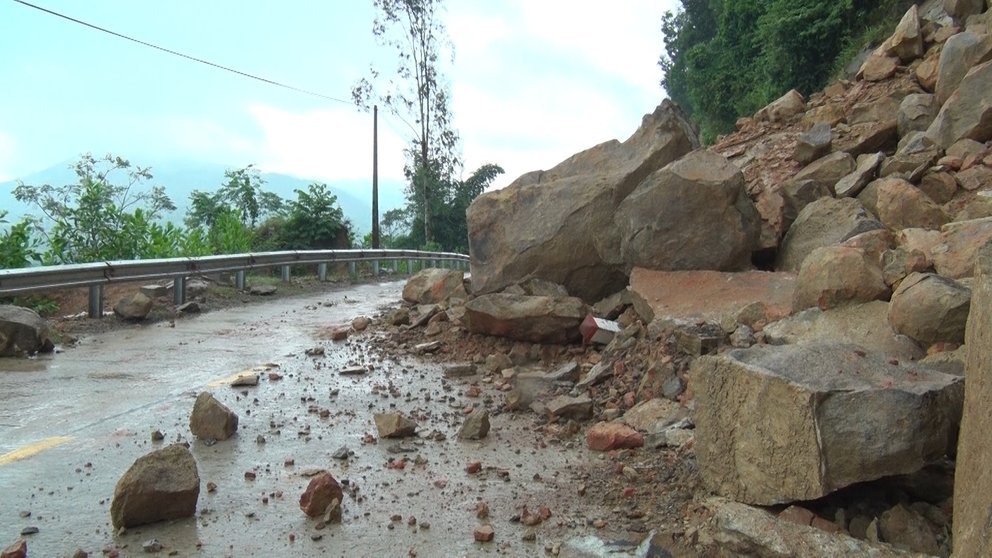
416, 92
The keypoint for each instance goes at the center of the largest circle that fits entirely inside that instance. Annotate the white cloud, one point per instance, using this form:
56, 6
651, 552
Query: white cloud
325, 144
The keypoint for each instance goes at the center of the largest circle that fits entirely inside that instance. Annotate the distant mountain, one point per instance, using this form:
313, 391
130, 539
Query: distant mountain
180, 178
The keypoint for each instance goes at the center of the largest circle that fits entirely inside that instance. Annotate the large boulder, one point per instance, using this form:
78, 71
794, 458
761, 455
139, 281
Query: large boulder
930, 308
973, 476
961, 9
865, 324
968, 111
824, 222
906, 42
22, 332
434, 285
134, 307
211, 419
558, 224
159, 486
778, 424
900, 205
916, 112
836, 275
692, 214
955, 254
961, 52
536, 319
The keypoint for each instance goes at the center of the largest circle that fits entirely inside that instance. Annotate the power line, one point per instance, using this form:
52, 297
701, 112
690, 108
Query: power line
182, 55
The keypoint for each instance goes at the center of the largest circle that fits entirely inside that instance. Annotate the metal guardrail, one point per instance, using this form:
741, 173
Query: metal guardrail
95, 275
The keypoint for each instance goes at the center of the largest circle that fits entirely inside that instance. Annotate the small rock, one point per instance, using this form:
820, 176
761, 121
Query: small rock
80, 553
353, 371
341, 453
484, 533
32, 530
394, 425
425, 348
361, 323
322, 491
191, 307
157, 436
245, 379
473, 467
211, 419
459, 370
211, 487
605, 436
579, 408
151, 546
317, 351
475, 427
17, 550
338, 334
262, 290
259, 439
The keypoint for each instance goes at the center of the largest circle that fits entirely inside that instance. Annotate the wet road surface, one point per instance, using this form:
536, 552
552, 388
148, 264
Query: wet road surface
72, 423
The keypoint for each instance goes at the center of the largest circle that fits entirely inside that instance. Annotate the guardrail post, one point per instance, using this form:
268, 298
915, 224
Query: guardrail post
409, 267
179, 290
353, 270
285, 274
375, 268
96, 301
239, 280
322, 272
433, 262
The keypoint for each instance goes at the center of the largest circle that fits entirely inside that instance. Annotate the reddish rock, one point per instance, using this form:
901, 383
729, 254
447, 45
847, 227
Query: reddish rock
606, 436
473, 467
484, 533
17, 550
320, 493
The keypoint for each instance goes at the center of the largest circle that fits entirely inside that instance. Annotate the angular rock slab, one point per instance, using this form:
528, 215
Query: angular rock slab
159, 486
321, 492
557, 224
22, 331
973, 476
536, 319
433, 285
211, 419
797, 422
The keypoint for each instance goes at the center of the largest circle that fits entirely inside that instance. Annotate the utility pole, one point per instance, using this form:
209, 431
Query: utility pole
375, 178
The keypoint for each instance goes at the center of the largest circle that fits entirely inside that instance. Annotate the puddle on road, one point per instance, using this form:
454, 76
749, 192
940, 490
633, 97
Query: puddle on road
68, 489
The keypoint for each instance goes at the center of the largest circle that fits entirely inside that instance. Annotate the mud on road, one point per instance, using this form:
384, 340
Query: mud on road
72, 423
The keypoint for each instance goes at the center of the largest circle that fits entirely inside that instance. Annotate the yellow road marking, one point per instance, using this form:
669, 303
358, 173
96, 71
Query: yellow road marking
33, 449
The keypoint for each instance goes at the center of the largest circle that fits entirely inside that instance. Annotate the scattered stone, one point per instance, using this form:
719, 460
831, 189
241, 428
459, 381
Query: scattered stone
23, 332
652, 415
835, 275
157, 436
341, 453
458, 370
813, 144
904, 528
597, 330
840, 412
434, 285
599, 372
320, 493
394, 425
337, 334
484, 533
262, 290
566, 406
606, 436
134, 307
245, 379
315, 351
536, 319
211, 419
30, 530
400, 316
159, 486
353, 371
361, 323
475, 427
865, 171
191, 307
473, 467
151, 546
17, 550
425, 348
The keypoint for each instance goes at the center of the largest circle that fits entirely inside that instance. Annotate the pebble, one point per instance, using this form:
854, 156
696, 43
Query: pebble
29, 530
211, 487
473, 467
484, 533
157, 436
151, 546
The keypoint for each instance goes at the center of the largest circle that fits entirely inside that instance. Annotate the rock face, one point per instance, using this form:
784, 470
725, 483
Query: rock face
822, 223
557, 224
692, 214
930, 308
780, 424
537, 319
322, 491
211, 419
159, 486
135, 307
973, 476
22, 332
433, 285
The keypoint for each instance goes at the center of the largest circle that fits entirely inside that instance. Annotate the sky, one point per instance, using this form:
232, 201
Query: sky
532, 82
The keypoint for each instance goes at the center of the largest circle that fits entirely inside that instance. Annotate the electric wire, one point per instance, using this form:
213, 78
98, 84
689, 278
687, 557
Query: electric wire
186, 56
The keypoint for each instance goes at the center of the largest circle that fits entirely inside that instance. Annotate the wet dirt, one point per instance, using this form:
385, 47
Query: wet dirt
79, 418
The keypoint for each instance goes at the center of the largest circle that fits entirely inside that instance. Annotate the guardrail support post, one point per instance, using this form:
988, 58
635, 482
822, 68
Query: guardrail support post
322, 272
409, 267
239, 280
285, 274
179, 290
375, 268
353, 270
433, 262
96, 301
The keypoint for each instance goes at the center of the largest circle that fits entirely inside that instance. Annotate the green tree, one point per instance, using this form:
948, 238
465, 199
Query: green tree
243, 191
314, 220
417, 92
18, 246
94, 219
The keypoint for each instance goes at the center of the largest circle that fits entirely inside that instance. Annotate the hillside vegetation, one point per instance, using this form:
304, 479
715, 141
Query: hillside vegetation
728, 58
